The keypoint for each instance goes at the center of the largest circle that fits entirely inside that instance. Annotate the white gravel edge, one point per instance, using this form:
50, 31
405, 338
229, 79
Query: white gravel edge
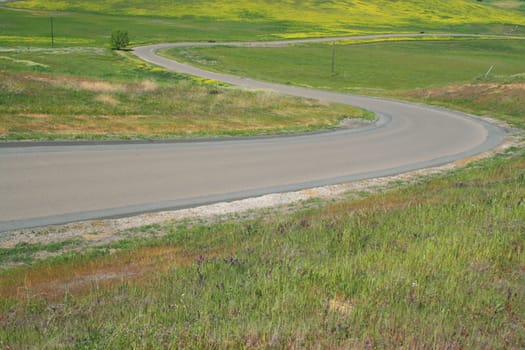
97, 232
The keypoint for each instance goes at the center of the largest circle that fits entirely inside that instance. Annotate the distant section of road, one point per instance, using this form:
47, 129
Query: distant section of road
53, 184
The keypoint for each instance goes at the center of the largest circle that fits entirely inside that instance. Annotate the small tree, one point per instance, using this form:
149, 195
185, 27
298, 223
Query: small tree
119, 39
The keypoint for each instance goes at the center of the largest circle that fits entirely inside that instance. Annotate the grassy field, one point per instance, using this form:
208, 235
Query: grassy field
306, 18
389, 66
437, 265
49, 106
421, 70
96, 93
32, 28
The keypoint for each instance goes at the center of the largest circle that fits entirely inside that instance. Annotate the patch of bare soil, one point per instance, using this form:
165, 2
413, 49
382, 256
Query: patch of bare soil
508, 4
107, 99
92, 85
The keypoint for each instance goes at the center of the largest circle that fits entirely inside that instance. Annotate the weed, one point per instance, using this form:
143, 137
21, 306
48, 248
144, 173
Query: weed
22, 252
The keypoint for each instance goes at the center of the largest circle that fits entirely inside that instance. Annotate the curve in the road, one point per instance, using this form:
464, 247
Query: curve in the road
45, 185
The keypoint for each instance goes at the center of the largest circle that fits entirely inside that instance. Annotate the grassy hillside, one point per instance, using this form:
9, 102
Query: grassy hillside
439, 265
31, 28
306, 17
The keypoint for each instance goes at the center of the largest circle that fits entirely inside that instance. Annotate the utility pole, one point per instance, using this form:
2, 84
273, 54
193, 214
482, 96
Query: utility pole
333, 57
52, 33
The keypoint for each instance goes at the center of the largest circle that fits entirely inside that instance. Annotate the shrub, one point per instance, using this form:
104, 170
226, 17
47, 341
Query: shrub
119, 39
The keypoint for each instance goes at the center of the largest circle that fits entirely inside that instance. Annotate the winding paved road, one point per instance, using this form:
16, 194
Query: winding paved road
51, 184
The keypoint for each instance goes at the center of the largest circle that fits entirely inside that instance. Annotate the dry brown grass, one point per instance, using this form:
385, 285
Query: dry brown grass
503, 100
143, 124
89, 84
81, 278
75, 83
341, 305
107, 99
78, 278
507, 4
475, 90
148, 85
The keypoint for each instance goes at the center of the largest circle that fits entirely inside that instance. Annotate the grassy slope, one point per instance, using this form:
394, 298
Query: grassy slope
438, 265
84, 25
32, 28
38, 106
313, 18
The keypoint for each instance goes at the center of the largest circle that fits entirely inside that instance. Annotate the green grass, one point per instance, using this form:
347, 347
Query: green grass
38, 106
387, 66
118, 96
305, 17
24, 252
436, 265
82, 35
73, 29
417, 70
90, 23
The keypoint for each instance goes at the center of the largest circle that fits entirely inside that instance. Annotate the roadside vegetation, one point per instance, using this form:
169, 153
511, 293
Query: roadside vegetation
439, 264
42, 106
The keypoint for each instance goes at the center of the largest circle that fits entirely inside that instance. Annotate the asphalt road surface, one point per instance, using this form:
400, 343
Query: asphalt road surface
45, 184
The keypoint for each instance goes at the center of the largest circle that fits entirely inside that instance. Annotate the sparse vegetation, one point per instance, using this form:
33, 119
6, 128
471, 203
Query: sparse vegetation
508, 4
25, 252
505, 100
